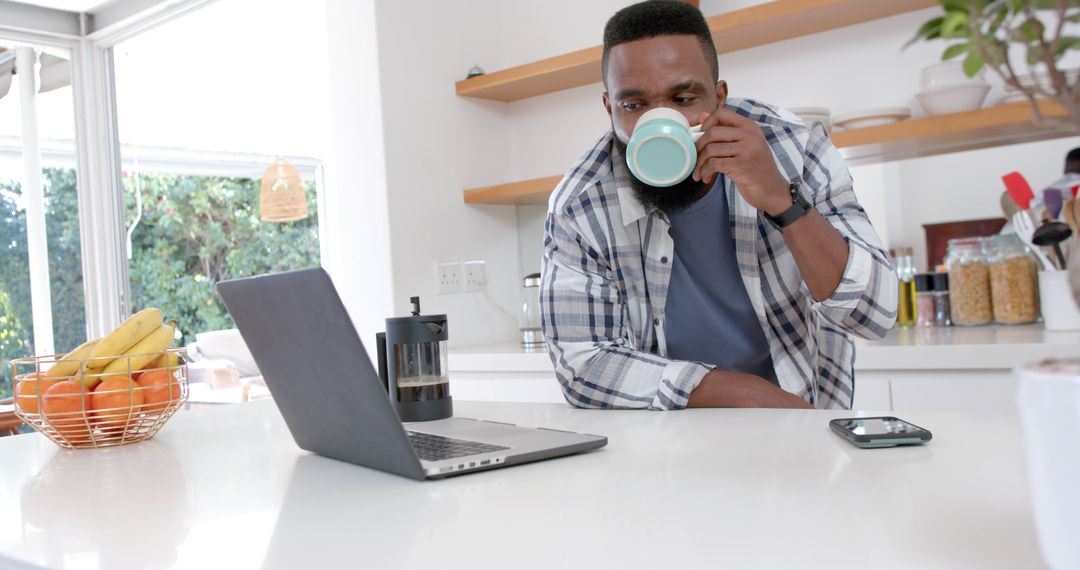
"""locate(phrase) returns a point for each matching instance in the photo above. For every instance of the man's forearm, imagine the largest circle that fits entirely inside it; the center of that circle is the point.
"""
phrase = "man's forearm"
(724, 389)
(820, 252)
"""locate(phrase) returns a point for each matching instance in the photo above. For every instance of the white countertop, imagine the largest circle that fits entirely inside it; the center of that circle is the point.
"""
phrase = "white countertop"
(971, 348)
(225, 487)
(944, 348)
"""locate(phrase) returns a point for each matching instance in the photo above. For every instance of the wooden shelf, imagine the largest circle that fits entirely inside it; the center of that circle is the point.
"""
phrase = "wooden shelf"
(732, 31)
(941, 134)
(533, 192)
(983, 128)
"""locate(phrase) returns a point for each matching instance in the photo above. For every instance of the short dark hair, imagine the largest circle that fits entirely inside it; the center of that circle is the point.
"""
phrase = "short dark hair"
(659, 18)
(1072, 161)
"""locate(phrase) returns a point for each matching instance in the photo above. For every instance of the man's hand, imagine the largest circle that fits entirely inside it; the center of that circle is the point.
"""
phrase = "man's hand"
(735, 146)
(724, 389)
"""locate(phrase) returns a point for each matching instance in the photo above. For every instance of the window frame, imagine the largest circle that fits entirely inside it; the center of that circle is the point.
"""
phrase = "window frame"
(91, 39)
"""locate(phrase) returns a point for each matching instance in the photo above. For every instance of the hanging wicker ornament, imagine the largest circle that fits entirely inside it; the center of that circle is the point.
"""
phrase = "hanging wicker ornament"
(282, 197)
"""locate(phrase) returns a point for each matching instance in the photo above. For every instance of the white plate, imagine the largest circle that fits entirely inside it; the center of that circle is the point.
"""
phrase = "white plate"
(1043, 79)
(814, 111)
(871, 118)
(1014, 97)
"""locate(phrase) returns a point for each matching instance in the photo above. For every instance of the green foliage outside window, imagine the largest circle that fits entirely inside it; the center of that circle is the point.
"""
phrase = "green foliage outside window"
(194, 232)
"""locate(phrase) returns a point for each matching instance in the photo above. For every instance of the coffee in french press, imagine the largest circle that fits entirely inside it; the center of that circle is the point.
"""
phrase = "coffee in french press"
(413, 365)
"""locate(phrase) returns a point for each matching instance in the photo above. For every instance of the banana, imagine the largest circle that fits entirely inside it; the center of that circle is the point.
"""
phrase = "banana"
(166, 360)
(72, 361)
(123, 337)
(147, 349)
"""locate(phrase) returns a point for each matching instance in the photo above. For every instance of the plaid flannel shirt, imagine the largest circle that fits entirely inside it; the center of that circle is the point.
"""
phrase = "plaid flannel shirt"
(606, 270)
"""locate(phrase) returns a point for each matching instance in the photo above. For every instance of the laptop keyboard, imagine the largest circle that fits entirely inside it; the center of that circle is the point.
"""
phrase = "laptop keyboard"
(436, 447)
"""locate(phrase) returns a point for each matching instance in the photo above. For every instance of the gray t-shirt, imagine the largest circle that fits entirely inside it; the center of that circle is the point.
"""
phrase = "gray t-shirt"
(709, 317)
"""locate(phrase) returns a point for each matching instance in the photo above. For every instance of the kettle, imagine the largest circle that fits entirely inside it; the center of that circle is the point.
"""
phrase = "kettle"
(413, 365)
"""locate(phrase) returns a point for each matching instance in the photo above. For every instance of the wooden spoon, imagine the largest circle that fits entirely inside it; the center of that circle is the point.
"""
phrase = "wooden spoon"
(1008, 206)
(1068, 212)
(1076, 210)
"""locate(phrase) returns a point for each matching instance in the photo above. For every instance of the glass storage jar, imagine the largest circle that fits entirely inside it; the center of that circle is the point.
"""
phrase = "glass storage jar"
(1013, 281)
(969, 282)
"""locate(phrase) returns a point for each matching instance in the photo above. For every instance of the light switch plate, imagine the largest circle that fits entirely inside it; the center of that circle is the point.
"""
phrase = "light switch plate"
(475, 275)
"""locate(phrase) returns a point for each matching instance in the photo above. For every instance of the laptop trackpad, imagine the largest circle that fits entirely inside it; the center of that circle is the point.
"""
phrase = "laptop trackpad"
(469, 429)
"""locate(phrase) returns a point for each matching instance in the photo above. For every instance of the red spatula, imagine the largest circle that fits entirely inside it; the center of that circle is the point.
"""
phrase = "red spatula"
(1019, 189)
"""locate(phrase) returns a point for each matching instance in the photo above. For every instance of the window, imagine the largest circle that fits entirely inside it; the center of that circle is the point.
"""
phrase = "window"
(189, 232)
(198, 127)
(41, 289)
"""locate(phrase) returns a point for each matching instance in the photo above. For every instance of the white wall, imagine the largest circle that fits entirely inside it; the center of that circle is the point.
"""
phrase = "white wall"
(356, 200)
(437, 144)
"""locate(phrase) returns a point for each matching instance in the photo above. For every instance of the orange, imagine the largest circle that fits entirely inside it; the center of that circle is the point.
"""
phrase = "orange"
(30, 388)
(65, 405)
(116, 400)
(159, 388)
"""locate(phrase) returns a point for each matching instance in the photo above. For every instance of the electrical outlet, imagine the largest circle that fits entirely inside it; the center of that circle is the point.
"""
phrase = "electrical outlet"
(475, 275)
(448, 277)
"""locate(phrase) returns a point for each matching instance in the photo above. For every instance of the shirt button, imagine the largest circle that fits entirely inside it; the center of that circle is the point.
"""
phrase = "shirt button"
(663, 259)
(656, 321)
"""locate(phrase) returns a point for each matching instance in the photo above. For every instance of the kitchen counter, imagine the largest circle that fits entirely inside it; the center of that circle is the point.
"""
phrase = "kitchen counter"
(226, 487)
(970, 348)
(989, 347)
(932, 369)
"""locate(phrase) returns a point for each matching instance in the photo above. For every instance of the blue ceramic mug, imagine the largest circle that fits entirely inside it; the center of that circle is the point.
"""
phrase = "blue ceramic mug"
(661, 150)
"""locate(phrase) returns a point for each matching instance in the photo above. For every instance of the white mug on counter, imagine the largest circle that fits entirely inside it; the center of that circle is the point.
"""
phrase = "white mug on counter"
(1048, 398)
(1059, 309)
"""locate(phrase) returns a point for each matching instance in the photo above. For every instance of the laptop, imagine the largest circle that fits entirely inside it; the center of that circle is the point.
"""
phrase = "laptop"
(335, 405)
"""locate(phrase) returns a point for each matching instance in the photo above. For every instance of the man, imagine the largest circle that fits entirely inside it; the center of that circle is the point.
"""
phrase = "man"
(739, 287)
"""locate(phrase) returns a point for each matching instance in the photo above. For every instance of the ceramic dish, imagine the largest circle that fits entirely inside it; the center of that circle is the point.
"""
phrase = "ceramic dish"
(948, 74)
(956, 99)
(871, 118)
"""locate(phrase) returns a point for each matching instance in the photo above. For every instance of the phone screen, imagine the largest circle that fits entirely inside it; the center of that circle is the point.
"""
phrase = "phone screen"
(878, 426)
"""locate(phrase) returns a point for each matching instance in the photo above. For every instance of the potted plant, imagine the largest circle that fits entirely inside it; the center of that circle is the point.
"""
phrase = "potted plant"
(984, 31)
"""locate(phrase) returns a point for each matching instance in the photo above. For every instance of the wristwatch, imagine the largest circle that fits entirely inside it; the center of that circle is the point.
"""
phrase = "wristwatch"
(799, 208)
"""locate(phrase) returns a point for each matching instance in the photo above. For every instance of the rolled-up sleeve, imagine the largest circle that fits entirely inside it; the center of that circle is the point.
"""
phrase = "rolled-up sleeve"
(864, 304)
(585, 326)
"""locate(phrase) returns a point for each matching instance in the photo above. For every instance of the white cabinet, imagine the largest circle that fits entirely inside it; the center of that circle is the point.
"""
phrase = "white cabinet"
(872, 392)
(935, 391)
(953, 369)
(503, 373)
(506, 386)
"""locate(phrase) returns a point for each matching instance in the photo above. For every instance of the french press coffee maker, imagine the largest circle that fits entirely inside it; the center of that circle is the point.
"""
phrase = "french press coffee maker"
(413, 365)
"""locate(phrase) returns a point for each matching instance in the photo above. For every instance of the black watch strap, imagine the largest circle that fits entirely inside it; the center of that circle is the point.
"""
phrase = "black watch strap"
(799, 208)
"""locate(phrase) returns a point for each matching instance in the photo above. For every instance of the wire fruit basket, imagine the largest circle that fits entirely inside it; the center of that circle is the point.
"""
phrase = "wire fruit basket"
(91, 408)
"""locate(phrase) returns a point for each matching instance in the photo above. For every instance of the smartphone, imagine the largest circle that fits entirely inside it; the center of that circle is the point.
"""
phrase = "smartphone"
(882, 431)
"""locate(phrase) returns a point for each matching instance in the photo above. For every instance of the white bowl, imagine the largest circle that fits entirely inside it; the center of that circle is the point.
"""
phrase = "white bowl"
(957, 99)
(949, 74)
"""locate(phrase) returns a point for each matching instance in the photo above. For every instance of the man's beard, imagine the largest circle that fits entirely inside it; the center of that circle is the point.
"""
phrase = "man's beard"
(668, 198)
